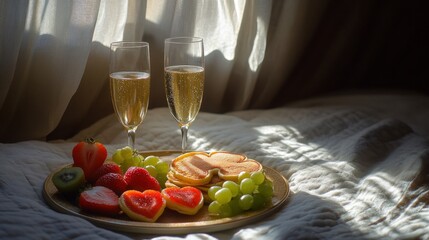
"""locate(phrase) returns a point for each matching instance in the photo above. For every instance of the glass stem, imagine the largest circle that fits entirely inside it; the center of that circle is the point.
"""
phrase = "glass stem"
(131, 138)
(184, 130)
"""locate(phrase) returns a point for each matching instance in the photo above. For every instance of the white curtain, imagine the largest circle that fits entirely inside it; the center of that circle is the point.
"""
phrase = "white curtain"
(54, 56)
(54, 53)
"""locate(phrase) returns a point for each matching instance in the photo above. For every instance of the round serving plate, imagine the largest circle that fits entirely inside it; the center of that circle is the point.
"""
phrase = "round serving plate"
(170, 221)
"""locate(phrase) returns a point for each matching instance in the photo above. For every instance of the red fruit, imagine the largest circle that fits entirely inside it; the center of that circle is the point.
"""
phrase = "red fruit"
(187, 200)
(113, 181)
(103, 170)
(99, 200)
(89, 155)
(138, 178)
(142, 206)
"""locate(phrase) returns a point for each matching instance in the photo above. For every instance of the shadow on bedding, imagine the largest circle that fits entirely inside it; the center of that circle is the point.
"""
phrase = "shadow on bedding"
(308, 216)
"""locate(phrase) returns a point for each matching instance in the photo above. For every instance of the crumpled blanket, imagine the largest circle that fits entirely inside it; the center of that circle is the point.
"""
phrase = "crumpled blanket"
(354, 173)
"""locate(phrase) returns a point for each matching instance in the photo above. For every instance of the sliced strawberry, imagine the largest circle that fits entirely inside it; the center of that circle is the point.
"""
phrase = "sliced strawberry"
(99, 200)
(138, 178)
(144, 206)
(89, 155)
(113, 181)
(187, 200)
(103, 170)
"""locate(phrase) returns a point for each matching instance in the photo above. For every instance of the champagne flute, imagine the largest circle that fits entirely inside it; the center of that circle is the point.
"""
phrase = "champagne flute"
(184, 80)
(130, 84)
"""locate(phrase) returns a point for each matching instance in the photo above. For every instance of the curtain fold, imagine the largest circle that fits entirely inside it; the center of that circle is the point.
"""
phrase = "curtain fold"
(51, 59)
(260, 53)
(292, 26)
(116, 21)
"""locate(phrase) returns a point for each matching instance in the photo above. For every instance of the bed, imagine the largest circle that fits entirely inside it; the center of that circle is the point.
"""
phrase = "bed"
(357, 166)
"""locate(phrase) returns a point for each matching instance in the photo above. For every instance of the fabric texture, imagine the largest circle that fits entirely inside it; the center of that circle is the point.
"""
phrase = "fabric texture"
(355, 171)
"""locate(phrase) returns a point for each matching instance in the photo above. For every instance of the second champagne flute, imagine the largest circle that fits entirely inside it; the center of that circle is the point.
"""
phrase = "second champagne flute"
(184, 80)
(130, 84)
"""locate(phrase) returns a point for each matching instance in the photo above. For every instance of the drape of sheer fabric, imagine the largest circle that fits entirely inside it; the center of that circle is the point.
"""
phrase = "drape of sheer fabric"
(259, 53)
(55, 56)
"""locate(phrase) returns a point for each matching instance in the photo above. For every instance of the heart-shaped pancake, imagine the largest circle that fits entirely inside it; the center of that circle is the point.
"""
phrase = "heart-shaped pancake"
(198, 168)
(144, 206)
(215, 181)
(187, 200)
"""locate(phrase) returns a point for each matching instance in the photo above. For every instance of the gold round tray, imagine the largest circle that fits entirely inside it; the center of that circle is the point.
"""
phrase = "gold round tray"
(170, 221)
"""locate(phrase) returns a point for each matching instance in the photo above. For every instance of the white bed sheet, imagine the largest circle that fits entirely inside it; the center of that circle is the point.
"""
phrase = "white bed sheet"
(357, 170)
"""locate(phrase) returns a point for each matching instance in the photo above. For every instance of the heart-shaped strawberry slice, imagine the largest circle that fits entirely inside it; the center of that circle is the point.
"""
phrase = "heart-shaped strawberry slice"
(144, 206)
(187, 200)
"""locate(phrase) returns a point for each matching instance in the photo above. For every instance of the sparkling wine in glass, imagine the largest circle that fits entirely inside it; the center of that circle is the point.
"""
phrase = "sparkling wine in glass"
(184, 80)
(130, 84)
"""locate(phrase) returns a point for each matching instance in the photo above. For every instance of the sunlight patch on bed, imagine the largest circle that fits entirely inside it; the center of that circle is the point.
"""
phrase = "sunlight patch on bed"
(278, 130)
(287, 139)
(376, 195)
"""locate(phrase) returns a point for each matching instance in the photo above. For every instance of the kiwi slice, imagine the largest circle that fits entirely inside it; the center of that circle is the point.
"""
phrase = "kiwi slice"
(69, 180)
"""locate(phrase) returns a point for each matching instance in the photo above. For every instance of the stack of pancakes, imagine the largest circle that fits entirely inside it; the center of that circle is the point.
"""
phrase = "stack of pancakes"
(203, 170)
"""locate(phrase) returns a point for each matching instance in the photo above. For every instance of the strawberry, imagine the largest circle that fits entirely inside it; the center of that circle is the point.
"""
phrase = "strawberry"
(89, 155)
(138, 178)
(104, 169)
(99, 200)
(113, 181)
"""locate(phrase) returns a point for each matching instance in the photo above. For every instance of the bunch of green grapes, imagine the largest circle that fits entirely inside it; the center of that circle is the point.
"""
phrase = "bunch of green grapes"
(126, 158)
(251, 192)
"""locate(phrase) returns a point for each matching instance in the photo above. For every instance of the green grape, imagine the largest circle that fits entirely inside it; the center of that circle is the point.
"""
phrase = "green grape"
(152, 170)
(232, 186)
(225, 210)
(257, 177)
(117, 157)
(214, 207)
(223, 195)
(246, 201)
(126, 152)
(127, 163)
(212, 191)
(137, 159)
(243, 175)
(162, 167)
(161, 178)
(150, 160)
(258, 201)
(247, 186)
(235, 206)
(266, 189)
